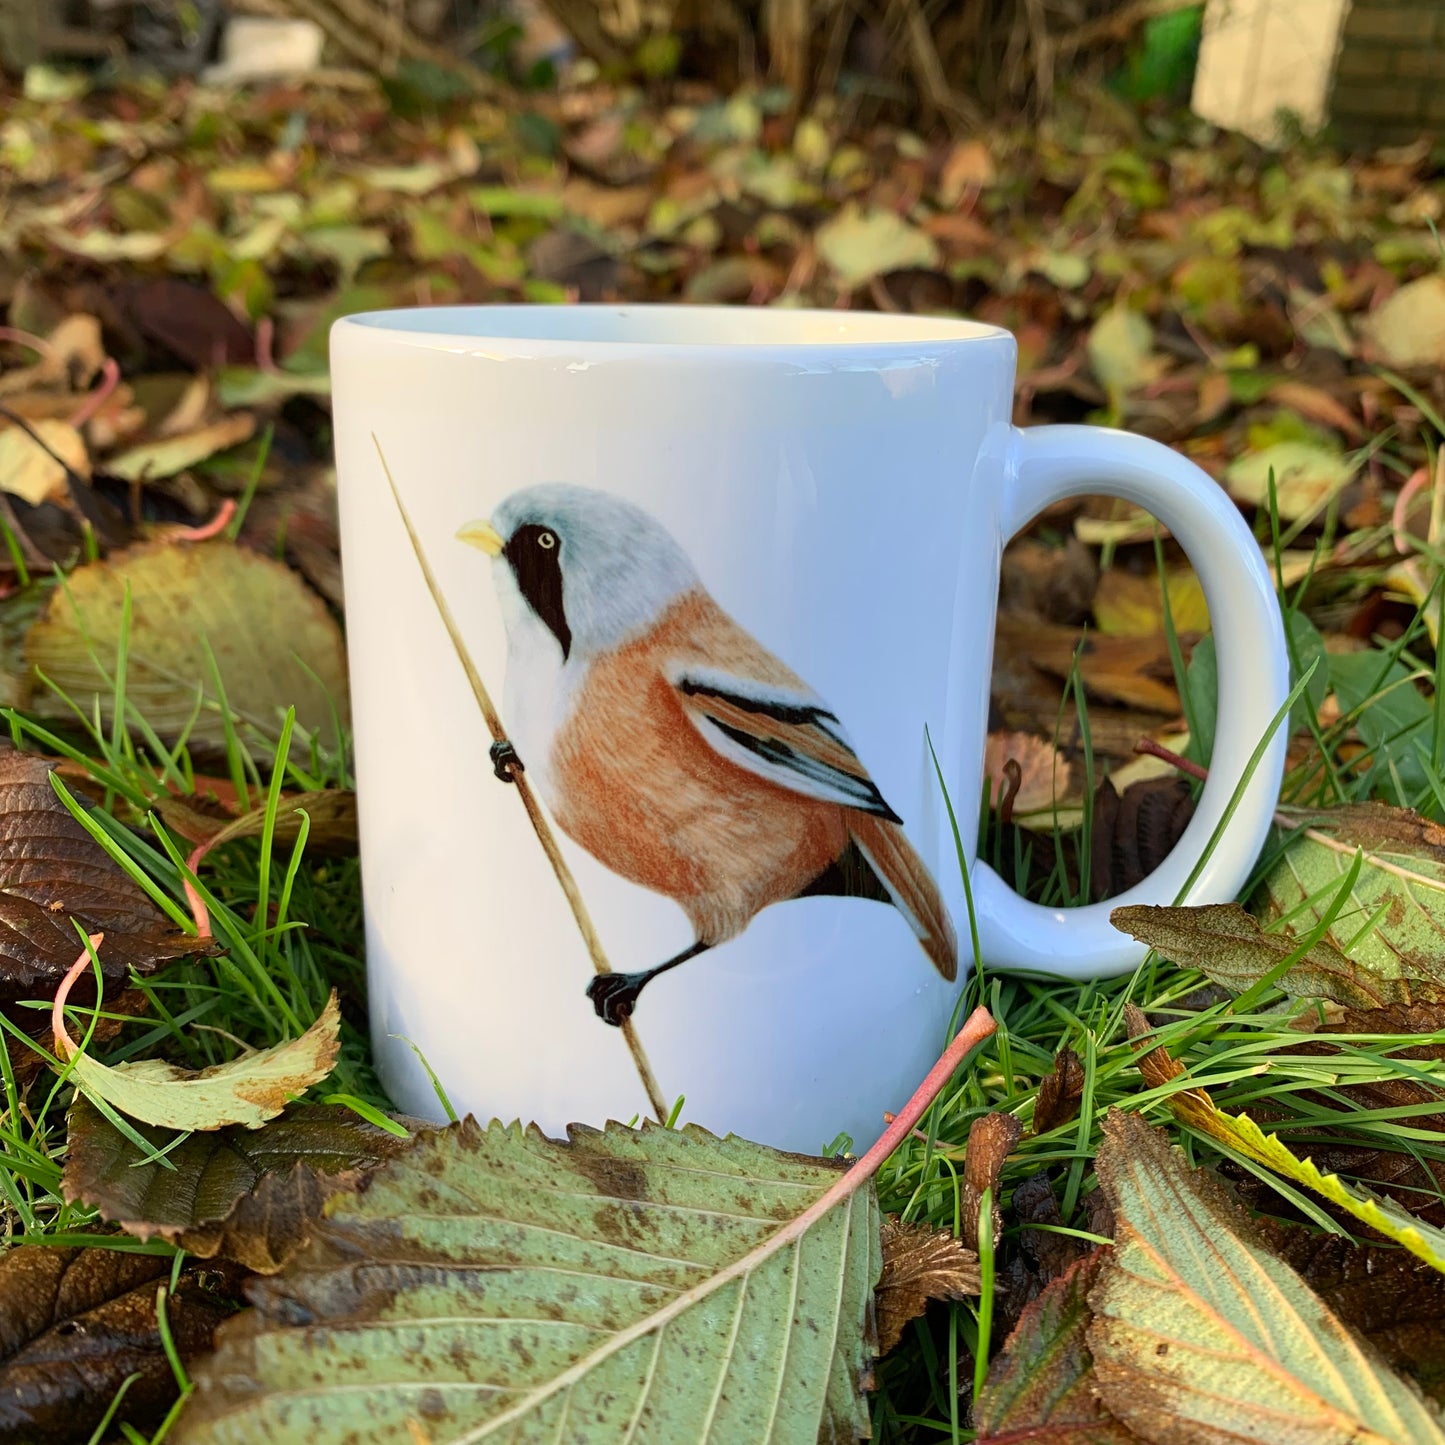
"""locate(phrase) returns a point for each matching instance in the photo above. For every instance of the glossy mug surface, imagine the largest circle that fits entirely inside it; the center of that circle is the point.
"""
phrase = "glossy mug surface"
(729, 578)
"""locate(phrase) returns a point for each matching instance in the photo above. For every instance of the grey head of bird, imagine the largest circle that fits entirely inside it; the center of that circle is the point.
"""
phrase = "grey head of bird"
(593, 570)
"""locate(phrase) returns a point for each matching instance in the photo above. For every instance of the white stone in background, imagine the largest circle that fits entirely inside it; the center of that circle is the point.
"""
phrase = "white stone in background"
(1258, 57)
(254, 47)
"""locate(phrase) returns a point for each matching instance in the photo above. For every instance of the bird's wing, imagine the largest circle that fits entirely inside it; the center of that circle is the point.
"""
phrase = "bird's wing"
(781, 733)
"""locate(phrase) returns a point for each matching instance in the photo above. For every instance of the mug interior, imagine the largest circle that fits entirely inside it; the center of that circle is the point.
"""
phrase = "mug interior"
(674, 326)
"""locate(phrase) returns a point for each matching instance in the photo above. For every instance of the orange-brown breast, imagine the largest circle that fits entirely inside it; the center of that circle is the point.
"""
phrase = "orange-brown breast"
(638, 786)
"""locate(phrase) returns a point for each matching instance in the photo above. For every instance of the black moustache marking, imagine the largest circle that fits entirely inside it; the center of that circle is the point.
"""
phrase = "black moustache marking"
(538, 571)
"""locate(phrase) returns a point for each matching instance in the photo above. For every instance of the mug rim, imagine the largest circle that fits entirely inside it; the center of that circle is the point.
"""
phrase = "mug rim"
(653, 329)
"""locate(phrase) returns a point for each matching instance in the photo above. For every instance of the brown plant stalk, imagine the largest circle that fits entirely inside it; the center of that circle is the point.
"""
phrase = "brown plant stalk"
(543, 829)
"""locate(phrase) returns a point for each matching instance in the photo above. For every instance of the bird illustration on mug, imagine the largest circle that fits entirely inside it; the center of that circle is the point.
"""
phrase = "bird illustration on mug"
(671, 744)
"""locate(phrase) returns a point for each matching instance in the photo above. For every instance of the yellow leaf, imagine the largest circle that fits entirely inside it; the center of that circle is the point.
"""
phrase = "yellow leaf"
(1127, 605)
(153, 460)
(1238, 1132)
(247, 1091)
(27, 470)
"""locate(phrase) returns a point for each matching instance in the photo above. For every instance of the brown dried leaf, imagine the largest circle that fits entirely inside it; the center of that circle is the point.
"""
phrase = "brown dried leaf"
(1059, 1092)
(1134, 832)
(74, 1323)
(54, 871)
(331, 814)
(247, 1195)
(1042, 1386)
(919, 1264)
(191, 322)
(991, 1139)
(1044, 774)
(1228, 945)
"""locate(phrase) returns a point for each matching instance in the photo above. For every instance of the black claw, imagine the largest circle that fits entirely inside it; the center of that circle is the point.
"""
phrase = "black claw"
(505, 762)
(614, 996)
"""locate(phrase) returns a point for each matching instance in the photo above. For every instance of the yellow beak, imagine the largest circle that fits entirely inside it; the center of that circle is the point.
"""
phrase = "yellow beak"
(483, 536)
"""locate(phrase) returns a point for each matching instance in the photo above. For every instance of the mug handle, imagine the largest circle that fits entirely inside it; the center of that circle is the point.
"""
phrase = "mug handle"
(1049, 464)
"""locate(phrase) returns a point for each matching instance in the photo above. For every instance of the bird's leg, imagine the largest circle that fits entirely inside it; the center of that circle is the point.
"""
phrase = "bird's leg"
(614, 995)
(505, 762)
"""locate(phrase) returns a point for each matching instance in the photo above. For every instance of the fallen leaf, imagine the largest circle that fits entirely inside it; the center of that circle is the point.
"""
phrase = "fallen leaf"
(1060, 1090)
(991, 1139)
(1409, 329)
(1317, 404)
(331, 821)
(1133, 832)
(249, 1195)
(1305, 476)
(274, 642)
(1394, 1300)
(54, 871)
(1131, 670)
(1242, 1135)
(190, 322)
(1131, 605)
(248, 386)
(1045, 775)
(1392, 927)
(645, 1263)
(75, 1323)
(1201, 1336)
(247, 1090)
(153, 460)
(920, 1264)
(29, 470)
(1121, 351)
(1228, 945)
(1057, 584)
(860, 244)
(1042, 1386)
(1407, 1090)
(968, 167)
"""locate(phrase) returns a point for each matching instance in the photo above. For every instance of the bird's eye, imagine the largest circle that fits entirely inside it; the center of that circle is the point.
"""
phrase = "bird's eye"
(547, 540)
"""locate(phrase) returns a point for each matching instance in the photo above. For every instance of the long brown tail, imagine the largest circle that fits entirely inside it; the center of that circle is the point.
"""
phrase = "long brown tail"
(910, 885)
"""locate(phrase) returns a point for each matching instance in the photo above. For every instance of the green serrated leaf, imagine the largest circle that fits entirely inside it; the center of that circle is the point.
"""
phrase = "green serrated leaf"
(1200, 1334)
(496, 1285)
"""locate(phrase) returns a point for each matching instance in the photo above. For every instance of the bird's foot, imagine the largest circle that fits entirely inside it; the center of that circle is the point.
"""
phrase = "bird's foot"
(614, 995)
(505, 762)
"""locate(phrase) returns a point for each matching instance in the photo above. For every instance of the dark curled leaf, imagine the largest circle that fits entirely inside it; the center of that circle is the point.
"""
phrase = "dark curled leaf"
(1036, 1209)
(991, 1139)
(919, 1264)
(246, 1194)
(1134, 833)
(74, 1323)
(1042, 1386)
(53, 871)
(1059, 1092)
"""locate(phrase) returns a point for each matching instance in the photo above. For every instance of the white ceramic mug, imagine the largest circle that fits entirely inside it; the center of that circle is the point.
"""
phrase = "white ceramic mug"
(725, 573)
